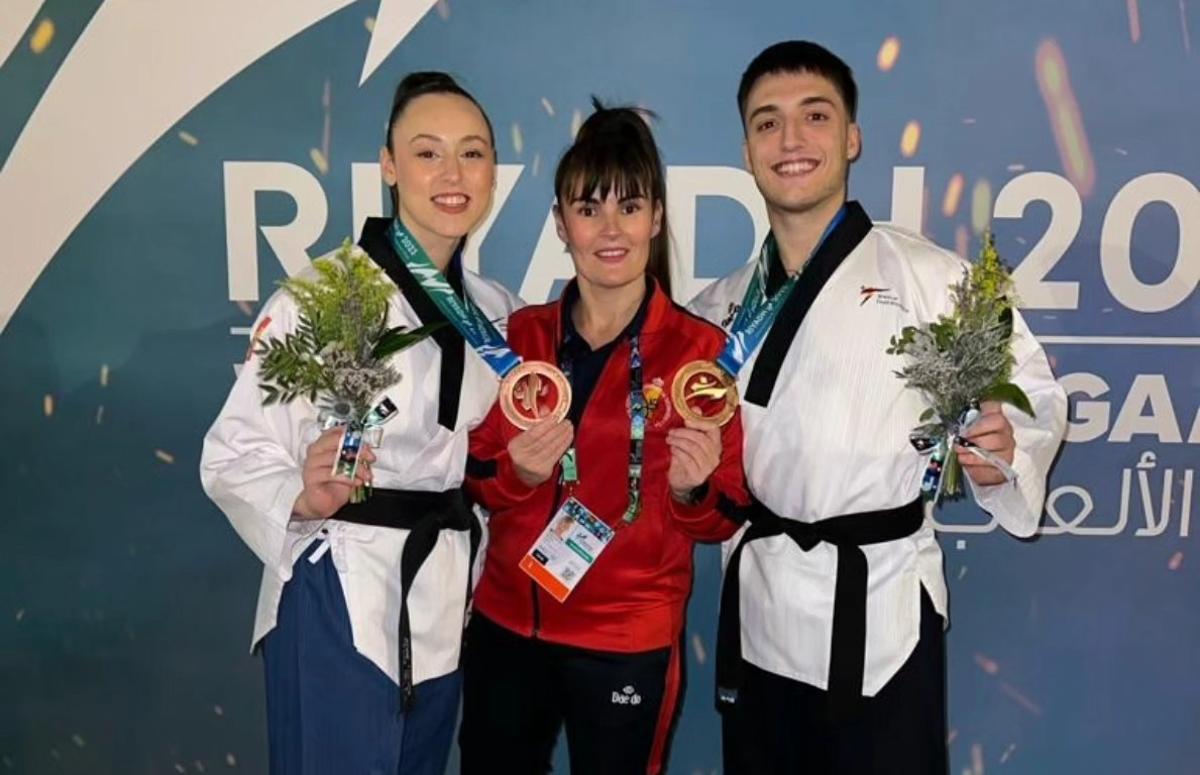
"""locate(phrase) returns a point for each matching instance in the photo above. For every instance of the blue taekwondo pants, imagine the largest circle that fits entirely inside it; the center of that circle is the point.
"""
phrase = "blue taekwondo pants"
(332, 710)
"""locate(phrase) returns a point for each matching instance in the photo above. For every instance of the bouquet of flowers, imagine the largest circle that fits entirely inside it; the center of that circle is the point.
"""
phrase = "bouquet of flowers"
(337, 357)
(958, 361)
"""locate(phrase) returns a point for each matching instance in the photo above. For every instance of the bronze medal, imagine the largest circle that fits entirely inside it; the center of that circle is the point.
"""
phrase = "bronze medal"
(704, 393)
(533, 391)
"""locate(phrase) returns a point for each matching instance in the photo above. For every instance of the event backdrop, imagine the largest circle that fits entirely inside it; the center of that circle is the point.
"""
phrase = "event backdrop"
(165, 163)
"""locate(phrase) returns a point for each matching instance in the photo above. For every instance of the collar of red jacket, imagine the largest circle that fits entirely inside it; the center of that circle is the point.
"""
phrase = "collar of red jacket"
(652, 314)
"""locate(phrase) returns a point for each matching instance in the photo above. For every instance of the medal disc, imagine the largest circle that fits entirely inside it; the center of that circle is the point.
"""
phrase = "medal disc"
(703, 392)
(534, 391)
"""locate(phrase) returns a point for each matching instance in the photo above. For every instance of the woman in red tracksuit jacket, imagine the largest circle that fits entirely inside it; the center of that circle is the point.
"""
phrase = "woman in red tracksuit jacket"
(604, 661)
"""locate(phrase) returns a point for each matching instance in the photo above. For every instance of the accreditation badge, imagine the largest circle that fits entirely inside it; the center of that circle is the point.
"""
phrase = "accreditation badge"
(566, 549)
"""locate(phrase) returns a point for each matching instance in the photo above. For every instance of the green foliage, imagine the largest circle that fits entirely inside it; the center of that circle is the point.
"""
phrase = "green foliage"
(348, 301)
(340, 348)
(966, 356)
(289, 366)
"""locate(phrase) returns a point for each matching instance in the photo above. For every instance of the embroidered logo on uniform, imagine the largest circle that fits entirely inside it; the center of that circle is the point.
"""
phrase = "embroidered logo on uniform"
(258, 332)
(868, 292)
(658, 405)
(883, 296)
(627, 696)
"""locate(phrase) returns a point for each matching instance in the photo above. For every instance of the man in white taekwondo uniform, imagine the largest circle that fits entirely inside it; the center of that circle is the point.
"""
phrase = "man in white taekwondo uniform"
(405, 625)
(831, 645)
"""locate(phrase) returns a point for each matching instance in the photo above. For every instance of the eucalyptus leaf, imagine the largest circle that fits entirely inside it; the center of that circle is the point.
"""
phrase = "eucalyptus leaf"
(1008, 393)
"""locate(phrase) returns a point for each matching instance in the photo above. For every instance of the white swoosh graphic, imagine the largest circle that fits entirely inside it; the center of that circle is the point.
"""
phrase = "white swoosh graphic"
(17, 16)
(126, 103)
(395, 19)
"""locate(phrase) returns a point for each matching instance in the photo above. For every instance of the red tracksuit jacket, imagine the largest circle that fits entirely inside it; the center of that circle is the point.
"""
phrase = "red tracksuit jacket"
(633, 598)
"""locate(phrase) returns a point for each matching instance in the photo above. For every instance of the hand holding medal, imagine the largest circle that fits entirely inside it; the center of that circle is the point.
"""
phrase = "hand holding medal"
(695, 455)
(536, 452)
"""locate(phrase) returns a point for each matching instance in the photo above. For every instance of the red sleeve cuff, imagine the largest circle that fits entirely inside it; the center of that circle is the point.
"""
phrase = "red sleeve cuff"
(508, 484)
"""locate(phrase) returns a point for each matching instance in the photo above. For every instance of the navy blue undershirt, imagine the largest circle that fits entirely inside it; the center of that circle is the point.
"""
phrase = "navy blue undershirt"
(587, 364)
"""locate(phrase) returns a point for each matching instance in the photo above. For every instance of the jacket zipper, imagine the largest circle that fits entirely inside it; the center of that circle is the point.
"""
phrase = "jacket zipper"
(558, 491)
(533, 587)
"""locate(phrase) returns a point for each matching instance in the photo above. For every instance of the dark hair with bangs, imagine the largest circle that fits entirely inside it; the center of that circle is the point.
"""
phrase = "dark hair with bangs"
(614, 151)
(418, 84)
(800, 56)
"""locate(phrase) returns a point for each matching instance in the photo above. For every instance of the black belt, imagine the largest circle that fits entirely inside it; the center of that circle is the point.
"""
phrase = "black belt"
(424, 514)
(849, 647)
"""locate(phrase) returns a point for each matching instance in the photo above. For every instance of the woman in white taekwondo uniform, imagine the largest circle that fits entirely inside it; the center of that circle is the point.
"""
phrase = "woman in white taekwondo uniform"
(830, 645)
(360, 613)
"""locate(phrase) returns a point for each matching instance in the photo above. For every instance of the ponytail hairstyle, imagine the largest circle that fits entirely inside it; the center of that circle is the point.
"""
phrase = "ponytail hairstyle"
(615, 151)
(418, 84)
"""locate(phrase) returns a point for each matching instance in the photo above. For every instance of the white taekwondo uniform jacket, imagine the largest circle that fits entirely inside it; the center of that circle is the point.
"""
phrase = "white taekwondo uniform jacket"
(251, 468)
(834, 439)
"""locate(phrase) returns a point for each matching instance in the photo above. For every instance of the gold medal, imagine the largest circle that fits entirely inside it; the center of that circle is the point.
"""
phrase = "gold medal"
(702, 392)
(533, 391)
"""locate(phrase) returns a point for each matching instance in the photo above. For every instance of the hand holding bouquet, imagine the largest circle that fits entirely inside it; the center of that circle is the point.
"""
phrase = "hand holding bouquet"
(337, 357)
(957, 362)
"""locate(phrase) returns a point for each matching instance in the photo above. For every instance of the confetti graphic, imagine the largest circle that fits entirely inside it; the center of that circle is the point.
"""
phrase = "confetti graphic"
(576, 122)
(1183, 27)
(976, 759)
(981, 206)
(987, 665)
(320, 157)
(953, 195)
(319, 161)
(518, 140)
(1065, 120)
(910, 139)
(43, 36)
(889, 52)
(1019, 698)
(698, 649)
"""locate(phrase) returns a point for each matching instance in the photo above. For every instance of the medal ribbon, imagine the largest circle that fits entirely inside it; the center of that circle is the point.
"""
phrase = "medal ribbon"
(462, 313)
(637, 434)
(758, 312)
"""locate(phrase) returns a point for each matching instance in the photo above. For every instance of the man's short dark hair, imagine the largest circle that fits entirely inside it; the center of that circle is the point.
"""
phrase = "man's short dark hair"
(800, 56)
